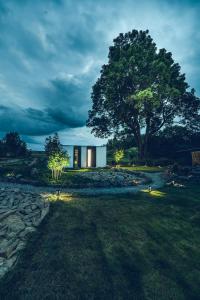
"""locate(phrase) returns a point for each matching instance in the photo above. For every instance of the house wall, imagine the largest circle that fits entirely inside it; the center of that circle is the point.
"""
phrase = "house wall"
(83, 157)
(101, 153)
(101, 160)
(70, 151)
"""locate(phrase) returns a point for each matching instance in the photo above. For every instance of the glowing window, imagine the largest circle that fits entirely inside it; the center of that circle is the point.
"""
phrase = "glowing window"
(89, 158)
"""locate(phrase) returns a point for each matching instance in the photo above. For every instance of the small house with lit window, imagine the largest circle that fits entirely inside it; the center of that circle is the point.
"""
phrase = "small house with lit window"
(86, 156)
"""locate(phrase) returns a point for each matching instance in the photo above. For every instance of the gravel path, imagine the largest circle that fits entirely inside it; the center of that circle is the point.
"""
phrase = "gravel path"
(157, 182)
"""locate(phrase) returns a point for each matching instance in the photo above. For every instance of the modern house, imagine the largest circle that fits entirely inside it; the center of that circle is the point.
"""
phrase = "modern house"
(86, 156)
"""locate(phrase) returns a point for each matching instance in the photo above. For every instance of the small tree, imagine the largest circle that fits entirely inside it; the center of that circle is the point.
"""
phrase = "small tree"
(57, 161)
(52, 145)
(118, 155)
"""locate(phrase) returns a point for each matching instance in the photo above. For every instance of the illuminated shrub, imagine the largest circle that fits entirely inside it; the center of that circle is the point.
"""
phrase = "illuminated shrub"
(57, 162)
(118, 155)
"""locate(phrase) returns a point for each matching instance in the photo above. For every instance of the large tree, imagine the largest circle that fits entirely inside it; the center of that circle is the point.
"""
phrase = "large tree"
(140, 90)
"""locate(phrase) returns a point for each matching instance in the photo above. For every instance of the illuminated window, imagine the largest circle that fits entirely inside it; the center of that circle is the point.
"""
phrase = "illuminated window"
(89, 158)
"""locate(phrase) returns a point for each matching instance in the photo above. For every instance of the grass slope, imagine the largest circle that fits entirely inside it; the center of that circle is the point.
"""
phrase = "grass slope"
(143, 246)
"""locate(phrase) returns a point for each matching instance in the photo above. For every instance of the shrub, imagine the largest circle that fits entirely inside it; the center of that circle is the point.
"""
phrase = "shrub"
(57, 162)
(118, 155)
(132, 154)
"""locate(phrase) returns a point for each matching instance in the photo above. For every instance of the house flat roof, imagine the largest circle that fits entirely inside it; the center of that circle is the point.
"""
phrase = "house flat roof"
(84, 145)
(189, 150)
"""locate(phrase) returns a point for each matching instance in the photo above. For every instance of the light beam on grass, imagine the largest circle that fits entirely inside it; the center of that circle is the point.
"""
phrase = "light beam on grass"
(62, 197)
(154, 193)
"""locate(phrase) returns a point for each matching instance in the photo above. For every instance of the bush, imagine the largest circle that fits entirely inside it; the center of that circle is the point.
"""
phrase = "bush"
(154, 162)
(132, 154)
(57, 162)
(118, 155)
(180, 170)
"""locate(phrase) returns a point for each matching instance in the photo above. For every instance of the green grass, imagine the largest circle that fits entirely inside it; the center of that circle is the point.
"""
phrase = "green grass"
(144, 246)
(145, 168)
(135, 168)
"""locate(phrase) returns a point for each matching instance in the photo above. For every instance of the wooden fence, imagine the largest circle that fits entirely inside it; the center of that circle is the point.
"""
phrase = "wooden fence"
(196, 158)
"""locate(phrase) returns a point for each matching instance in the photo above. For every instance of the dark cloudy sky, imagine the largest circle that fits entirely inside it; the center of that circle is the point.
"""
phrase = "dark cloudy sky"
(51, 52)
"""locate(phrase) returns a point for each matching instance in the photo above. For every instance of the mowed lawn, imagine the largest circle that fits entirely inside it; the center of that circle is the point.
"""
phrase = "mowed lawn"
(144, 246)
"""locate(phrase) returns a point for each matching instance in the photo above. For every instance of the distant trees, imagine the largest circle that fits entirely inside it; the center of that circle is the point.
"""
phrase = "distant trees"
(53, 145)
(12, 145)
(174, 142)
(140, 91)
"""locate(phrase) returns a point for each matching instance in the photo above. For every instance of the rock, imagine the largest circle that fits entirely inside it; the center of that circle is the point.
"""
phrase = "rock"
(3, 271)
(11, 261)
(15, 223)
(7, 247)
(28, 211)
(115, 177)
(2, 261)
(33, 206)
(44, 212)
(6, 214)
(27, 230)
(34, 172)
(21, 246)
(33, 214)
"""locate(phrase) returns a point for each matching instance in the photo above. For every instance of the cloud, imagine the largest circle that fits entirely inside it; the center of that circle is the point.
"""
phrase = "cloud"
(51, 53)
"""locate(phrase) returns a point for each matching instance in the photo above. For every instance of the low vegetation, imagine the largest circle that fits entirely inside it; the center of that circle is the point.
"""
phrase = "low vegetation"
(144, 246)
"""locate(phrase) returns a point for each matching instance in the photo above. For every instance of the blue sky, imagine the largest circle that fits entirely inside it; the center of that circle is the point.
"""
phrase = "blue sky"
(51, 52)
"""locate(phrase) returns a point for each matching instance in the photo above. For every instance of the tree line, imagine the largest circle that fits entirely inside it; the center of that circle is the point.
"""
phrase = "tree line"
(12, 145)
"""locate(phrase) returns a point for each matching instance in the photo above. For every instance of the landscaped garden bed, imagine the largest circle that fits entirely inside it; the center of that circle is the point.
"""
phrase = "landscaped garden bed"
(34, 172)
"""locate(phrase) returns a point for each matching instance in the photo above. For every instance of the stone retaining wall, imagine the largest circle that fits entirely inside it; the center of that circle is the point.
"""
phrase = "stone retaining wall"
(20, 213)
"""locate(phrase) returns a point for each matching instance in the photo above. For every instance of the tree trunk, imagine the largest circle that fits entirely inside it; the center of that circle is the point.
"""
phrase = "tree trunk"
(141, 152)
(141, 141)
(143, 148)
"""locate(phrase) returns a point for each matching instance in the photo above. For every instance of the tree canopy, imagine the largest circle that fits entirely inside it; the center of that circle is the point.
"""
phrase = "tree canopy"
(140, 90)
(53, 145)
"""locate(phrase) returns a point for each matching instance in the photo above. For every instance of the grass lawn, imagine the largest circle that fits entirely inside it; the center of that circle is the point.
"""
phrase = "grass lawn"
(144, 246)
(135, 168)
(145, 168)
